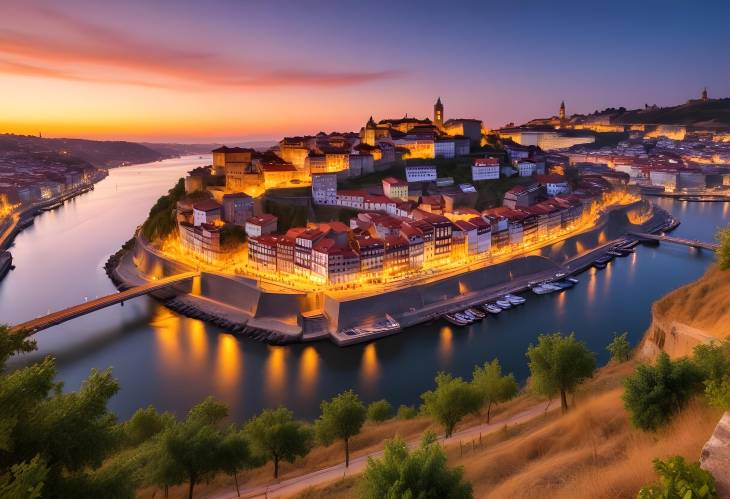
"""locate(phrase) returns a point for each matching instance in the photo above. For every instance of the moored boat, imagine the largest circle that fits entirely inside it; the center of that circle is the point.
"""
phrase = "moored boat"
(491, 308)
(503, 304)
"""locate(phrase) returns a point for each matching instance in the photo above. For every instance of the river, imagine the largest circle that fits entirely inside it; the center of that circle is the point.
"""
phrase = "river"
(172, 362)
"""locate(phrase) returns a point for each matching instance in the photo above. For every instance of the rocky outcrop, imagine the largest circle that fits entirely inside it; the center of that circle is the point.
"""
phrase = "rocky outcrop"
(715, 456)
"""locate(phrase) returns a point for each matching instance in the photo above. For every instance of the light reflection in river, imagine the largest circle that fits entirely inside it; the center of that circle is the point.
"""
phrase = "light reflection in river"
(446, 336)
(228, 364)
(275, 373)
(591, 285)
(308, 371)
(197, 344)
(166, 326)
(369, 369)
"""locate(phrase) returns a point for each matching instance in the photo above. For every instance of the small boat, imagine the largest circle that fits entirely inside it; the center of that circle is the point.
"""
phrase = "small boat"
(503, 304)
(599, 264)
(478, 313)
(491, 308)
(573, 280)
(630, 244)
(514, 300)
(564, 284)
(463, 317)
(541, 289)
(453, 320)
(614, 253)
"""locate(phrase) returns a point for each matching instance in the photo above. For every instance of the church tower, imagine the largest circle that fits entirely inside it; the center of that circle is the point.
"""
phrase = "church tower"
(368, 136)
(704, 94)
(438, 113)
(561, 115)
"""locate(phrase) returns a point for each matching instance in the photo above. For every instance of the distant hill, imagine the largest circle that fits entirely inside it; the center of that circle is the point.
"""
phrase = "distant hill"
(713, 113)
(172, 149)
(104, 154)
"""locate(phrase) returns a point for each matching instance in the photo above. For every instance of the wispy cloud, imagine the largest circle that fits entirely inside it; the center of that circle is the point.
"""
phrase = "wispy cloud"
(84, 51)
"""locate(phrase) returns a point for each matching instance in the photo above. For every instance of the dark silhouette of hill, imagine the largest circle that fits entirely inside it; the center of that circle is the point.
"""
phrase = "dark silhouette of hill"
(712, 113)
(104, 154)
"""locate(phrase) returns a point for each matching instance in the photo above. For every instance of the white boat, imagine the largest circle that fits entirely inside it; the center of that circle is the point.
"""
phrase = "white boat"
(492, 309)
(463, 317)
(503, 304)
(542, 289)
(573, 280)
(552, 286)
(453, 320)
(514, 300)
(478, 313)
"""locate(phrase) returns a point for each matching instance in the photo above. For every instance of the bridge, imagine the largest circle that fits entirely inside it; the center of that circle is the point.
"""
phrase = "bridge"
(694, 243)
(69, 313)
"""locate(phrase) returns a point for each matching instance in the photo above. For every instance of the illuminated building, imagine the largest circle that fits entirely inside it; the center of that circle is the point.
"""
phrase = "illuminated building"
(526, 168)
(285, 252)
(469, 128)
(432, 204)
(395, 188)
(464, 239)
(237, 208)
(485, 169)
(303, 245)
(427, 234)
(561, 114)
(206, 212)
(372, 251)
(235, 163)
(259, 225)
(324, 188)
(333, 264)
(294, 150)
(351, 199)
(444, 148)
(396, 258)
(368, 133)
(438, 113)
(379, 203)
(415, 245)
(202, 241)
(421, 173)
(262, 252)
(521, 195)
(554, 184)
(484, 235)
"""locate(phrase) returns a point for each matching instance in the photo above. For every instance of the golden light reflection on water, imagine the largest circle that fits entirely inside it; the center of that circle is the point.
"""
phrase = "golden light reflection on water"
(369, 368)
(561, 303)
(592, 285)
(446, 337)
(197, 342)
(166, 326)
(602, 237)
(228, 365)
(275, 371)
(308, 371)
(725, 209)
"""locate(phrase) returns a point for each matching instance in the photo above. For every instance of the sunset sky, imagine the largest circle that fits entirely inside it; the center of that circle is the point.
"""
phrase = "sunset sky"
(194, 71)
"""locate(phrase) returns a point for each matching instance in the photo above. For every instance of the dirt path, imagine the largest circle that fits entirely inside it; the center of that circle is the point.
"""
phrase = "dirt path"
(298, 484)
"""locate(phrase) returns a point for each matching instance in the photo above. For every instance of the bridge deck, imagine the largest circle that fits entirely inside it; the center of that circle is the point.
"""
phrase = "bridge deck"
(69, 313)
(695, 243)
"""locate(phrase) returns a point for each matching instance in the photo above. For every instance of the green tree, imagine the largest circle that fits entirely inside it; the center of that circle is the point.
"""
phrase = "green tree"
(406, 412)
(619, 348)
(52, 440)
(275, 435)
(713, 360)
(235, 454)
(679, 480)
(146, 423)
(654, 393)
(422, 473)
(493, 387)
(341, 419)
(558, 364)
(451, 400)
(161, 219)
(723, 252)
(25, 480)
(194, 447)
(379, 410)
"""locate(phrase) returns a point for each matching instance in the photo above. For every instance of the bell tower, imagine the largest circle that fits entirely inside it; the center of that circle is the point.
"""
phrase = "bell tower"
(561, 115)
(438, 113)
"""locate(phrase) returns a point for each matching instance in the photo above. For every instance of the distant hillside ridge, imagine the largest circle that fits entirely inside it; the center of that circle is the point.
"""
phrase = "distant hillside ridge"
(102, 154)
(711, 113)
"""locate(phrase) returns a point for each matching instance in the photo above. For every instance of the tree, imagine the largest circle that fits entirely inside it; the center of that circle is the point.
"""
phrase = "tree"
(619, 348)
(341, 419)
(235, 454)
(654, 393)
(679, 480)
(493, 387)
(275, 435)
(379, 411)
(422, 473)
(723, 252)
(406, 412)
(146, 423)
(193, 448)
(558, 364)
(53, 443)
(713, 360)
(451, 400)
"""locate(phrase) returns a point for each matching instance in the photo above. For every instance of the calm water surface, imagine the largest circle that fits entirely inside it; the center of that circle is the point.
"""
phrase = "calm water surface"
(172, 362)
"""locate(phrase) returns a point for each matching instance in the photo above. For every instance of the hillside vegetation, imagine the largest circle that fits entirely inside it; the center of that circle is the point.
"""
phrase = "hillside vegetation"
(713, 112)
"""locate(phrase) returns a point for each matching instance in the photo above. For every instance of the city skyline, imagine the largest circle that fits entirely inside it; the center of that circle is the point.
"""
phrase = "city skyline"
(256, 71)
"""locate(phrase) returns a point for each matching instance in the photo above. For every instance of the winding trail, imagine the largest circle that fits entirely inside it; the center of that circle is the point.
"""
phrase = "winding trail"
(291, 486)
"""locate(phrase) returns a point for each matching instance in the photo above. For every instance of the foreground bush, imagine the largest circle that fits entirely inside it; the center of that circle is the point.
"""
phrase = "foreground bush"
(451, 400)
(379, 411)
(422, 473)
(680, 480)
(655, 393)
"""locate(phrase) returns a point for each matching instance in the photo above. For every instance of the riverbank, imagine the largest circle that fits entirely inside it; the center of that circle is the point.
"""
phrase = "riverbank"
(240, 305)
(22, 219)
